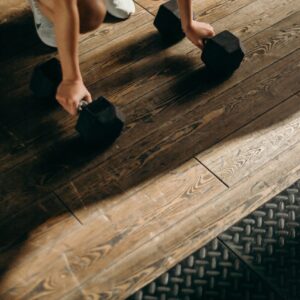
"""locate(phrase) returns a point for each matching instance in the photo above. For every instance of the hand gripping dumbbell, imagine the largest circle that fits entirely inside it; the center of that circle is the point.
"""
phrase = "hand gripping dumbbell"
(222, 54)
(99, 122)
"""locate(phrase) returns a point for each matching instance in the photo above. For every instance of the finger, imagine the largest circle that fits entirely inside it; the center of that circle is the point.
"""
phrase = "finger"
(70, 109)
(200, 44)
(74, 108)
(88, 98)
(211, 33)
(62, 103)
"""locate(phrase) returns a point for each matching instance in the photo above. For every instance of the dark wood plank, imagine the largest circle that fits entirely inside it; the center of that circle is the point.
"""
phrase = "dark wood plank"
(58, 163)
(202, 10)
(200, 124)
(38, 130)
(11, 145)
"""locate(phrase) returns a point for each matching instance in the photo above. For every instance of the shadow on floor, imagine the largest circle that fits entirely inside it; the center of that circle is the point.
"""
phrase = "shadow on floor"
(165, 127)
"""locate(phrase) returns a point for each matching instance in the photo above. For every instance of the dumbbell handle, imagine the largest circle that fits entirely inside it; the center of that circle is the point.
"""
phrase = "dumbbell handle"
(81, 105)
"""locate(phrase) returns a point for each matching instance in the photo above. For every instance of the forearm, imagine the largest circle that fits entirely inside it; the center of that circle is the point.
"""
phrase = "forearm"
(186, 13)
(66, 24)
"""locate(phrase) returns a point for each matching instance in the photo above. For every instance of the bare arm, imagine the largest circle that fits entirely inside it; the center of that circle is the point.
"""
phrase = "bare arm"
(195, 31)
(65, 16)
(186, 13)
(66, 24)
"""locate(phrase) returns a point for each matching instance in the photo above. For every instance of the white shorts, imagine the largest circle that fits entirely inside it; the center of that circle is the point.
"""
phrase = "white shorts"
(43, 25)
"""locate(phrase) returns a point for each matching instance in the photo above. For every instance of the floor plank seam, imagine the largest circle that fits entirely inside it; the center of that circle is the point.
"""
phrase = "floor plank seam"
(223, 92)
(219, 178)
(264, 67)
(144, 8)
(67, 207)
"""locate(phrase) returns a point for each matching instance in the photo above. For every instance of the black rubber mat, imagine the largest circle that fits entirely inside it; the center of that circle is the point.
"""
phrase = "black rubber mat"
(257, 258)
(268, 240)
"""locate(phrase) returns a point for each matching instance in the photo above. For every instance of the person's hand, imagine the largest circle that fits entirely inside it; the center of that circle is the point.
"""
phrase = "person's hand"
(197, 31)
(70, 93)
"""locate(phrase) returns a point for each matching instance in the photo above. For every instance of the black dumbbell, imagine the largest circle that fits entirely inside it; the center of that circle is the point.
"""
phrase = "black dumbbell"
(99, 122)
(168, 23)
(222, 54)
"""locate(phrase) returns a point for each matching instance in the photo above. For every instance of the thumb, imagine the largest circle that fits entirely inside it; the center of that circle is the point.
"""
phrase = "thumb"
(200, 44)
(88, 97)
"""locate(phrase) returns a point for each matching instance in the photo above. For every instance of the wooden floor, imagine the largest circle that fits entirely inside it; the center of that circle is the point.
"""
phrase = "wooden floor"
(195, 157)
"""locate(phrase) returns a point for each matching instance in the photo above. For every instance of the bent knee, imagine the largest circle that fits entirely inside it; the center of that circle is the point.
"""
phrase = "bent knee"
(91, 16)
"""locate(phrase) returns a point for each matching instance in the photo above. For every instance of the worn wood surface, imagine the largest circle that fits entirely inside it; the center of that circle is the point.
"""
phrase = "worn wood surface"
(189, 234)
(259, 142)
(145, 115)
(122, 231)
(78, 223)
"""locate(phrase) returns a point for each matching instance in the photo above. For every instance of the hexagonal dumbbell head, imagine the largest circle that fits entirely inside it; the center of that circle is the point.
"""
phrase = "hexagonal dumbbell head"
(167, 21)
(223, 53)
(46, 78)
(100, 122)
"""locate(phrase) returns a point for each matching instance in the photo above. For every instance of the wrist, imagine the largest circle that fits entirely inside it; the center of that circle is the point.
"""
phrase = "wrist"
(187, 25)
(72, 77)
(71, 71)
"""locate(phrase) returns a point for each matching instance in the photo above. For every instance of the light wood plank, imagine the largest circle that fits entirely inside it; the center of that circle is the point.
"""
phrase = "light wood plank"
(208, 220)
(244, 152)
(11, 145)
(30, 237)
(125, 226)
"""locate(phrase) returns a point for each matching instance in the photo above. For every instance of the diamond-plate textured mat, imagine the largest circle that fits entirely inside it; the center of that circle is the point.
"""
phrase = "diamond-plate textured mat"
(257, 258)
(213, 272)
(269, 241)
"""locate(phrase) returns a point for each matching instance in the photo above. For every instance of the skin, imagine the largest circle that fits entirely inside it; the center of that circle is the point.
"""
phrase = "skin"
(72, 17)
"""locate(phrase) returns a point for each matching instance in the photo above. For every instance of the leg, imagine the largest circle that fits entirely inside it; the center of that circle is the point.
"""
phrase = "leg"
(91, 13)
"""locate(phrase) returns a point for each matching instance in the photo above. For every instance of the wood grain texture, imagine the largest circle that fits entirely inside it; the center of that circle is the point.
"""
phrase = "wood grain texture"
(242, 154)
(144, 204)
(146, 115)
(171, 196)
(21, 60)
(33, 236)
(40, 178)
(165, 250)
(129, 83)
(200, 124)
(203, 10)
